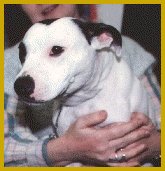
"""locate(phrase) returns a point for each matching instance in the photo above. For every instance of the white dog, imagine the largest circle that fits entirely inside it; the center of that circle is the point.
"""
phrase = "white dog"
(79, 62)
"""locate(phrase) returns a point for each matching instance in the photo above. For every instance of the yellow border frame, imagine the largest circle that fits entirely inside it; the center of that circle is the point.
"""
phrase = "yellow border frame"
(2, 2)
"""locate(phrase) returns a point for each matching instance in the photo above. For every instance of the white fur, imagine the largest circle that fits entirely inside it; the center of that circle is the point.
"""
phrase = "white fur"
(106, 84)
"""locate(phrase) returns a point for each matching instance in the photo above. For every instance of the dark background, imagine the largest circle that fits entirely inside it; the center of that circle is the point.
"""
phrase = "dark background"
(143, 24)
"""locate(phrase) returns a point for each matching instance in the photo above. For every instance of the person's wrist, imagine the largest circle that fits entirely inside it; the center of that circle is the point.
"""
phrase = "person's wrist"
(45, 152)
(56, 152)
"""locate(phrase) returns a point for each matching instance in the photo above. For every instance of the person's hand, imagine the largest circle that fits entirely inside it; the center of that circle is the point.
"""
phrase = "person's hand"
(86, 142)
(152, 144)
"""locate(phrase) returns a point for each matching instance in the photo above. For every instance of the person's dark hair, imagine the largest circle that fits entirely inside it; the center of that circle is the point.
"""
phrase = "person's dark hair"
(17, 23)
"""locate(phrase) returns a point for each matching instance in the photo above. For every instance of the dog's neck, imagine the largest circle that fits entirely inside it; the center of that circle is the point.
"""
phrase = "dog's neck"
(93, 86)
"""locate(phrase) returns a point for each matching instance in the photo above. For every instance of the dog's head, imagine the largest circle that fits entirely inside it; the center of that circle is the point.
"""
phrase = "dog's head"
(58, 56)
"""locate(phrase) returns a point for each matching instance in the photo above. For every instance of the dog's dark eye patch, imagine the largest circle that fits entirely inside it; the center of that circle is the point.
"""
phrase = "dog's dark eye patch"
(48, 21)
(22, 52)
(56, 51)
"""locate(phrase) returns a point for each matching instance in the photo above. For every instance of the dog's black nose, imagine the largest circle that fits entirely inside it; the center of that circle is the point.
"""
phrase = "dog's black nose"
(24, 86)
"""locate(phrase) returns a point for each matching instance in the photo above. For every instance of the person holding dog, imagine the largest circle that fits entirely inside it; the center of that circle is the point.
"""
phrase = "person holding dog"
(118, 144)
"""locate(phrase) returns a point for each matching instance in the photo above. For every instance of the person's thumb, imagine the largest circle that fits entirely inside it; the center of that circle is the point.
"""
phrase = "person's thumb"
(93, 119)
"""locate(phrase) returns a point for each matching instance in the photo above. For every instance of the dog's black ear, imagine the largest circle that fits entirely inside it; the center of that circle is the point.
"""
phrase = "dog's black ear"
(100, 35)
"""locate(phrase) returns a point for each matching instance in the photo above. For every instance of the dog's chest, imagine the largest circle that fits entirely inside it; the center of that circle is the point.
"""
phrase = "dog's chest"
(103, 101)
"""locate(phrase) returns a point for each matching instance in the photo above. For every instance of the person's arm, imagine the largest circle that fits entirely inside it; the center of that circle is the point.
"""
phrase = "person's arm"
(152, 88)
(21, 147)
(153, 152)
(153, 142)
(141, 62)
(83, 142)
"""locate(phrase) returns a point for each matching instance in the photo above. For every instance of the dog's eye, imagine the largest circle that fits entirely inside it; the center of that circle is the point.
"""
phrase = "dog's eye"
(56, 51)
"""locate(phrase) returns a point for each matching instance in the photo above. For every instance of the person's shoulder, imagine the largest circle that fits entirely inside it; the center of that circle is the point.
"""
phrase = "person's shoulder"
(136, 56)
(12, 66)
(11, 50)
(11, 57)
(131, 44)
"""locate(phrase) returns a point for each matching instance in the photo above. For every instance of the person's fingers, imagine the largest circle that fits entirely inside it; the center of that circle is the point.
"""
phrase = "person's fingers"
(92, 119)
(129, 138)
(147, 123)
(119, 130)
(141, 116)
(129, 153)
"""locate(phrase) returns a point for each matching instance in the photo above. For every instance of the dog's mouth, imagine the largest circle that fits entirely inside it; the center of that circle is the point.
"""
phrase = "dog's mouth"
(31, 101)
(61, 97)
